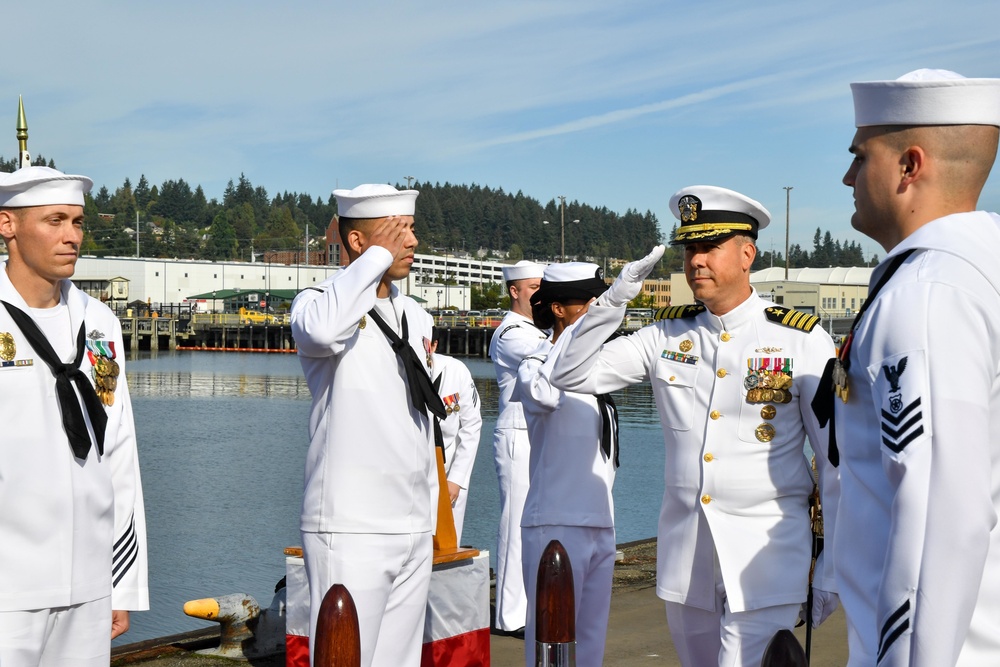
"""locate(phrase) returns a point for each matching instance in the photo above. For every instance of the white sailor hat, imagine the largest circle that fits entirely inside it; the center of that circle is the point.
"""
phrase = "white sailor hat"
(375, 201)
(570, 280)
(927, 97)
(42, 186)
(522, 271)
(708, 212)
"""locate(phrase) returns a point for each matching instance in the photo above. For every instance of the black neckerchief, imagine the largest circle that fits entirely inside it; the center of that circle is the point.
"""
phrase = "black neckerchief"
(67, 374)
(422, 392)
(824, 400)
(609, 425)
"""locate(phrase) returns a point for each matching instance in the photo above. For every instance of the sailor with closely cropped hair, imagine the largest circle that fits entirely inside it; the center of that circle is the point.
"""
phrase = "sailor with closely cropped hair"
(733, 377)
(513, 340)
(72, 525)
(916, 390)
(370, 498)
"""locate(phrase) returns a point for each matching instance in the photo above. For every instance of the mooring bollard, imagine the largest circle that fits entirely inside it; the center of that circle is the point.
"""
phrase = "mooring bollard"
(555, 609)
(245, 631)
(338, 637)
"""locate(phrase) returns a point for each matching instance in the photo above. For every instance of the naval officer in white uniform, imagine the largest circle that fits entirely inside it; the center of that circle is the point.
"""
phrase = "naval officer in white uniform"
(460, 430)
(514, 339)
(369, 506)
(918, 413)
(574, 454)
(733, 378)
(72, 525)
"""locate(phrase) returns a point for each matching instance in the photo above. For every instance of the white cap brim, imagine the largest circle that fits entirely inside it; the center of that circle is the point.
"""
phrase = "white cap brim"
(927, 97)
(375, 201)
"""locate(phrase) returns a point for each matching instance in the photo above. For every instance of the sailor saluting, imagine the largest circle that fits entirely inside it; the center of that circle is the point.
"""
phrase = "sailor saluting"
(732, 377)
(369, 506)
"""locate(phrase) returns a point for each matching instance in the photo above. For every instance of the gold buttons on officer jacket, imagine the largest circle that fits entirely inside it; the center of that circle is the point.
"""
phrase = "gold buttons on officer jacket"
(714, 414)
(709, 457)
(706, 499)
(725, 336)
(721, 372)
(673, 377)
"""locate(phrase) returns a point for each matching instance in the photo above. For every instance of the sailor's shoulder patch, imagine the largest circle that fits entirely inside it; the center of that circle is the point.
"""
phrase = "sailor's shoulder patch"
(678, 312)
(789, 317)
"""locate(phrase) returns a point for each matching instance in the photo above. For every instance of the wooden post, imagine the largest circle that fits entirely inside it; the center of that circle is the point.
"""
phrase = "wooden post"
(446, 549)
(338, 637)
(555, 609)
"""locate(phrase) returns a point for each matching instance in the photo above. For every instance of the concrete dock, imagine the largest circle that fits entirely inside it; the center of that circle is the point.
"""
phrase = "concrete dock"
(637, 630)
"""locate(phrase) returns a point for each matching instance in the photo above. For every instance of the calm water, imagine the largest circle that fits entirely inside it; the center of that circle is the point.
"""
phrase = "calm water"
(222, 444)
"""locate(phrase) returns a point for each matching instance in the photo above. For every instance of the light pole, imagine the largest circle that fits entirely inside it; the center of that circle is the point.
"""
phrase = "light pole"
(562, 227)
(788, 199)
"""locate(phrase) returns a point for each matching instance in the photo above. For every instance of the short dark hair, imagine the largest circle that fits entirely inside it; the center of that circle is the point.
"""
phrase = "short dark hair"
(542, 315)
(346, 225)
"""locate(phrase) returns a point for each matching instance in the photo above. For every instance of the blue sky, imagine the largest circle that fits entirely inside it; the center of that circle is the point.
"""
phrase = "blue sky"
(617, 104)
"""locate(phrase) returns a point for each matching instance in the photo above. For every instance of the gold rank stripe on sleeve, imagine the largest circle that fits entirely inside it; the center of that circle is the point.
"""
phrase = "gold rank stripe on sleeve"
(789, 317)
(678, 312)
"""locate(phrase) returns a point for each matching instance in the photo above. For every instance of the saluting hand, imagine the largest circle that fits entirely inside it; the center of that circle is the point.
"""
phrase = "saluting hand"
(628, 284)
(391, 233)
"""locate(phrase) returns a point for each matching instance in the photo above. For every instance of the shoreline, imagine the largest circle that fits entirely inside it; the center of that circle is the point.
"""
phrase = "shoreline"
(637, 629)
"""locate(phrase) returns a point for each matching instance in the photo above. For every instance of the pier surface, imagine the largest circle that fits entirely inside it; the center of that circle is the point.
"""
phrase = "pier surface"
(637, 631)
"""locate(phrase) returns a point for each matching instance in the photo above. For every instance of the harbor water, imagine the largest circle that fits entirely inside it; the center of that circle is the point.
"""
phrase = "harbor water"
(222, 444)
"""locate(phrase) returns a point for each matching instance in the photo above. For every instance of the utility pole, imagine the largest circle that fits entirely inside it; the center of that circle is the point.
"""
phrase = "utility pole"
(408, 179)
(788, 198)
(562, 227)
(137, 234)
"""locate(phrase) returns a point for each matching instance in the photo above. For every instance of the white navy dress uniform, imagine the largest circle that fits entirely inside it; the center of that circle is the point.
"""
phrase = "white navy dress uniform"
(72, 528)
(369, 505)
(515, 338)
(569, 496)
(917, 546)
(460, 429)
(734, 535)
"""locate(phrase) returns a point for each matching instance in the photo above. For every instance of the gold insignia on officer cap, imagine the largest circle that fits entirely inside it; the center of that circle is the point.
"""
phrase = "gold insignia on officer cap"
(707, 213)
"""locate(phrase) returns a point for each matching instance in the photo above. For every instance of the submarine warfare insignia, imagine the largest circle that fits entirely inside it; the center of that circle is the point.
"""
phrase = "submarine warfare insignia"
(768, 379)
(451, 403)
(7, 347)
(106, 370)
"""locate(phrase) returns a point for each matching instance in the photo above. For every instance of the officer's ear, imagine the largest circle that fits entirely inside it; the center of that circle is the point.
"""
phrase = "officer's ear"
(748, 253)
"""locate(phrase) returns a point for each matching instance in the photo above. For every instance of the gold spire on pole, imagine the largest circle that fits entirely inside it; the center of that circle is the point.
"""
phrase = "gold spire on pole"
(24, 159)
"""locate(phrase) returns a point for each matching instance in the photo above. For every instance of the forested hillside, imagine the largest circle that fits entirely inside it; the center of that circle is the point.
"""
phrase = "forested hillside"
(176, 219)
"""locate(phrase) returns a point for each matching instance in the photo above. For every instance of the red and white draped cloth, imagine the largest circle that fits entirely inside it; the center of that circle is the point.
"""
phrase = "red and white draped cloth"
(457, 626)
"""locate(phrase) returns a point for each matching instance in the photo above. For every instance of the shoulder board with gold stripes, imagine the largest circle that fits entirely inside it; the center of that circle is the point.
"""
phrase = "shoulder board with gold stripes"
(678, 312)
(790, 317)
